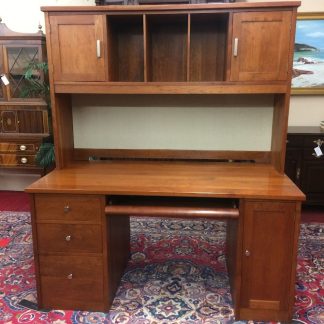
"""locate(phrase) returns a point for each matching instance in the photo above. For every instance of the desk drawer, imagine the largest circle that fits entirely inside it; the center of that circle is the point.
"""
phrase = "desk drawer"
(69, 238)
(71, 267)
(72, 281)
(17, 160)
(68, 208)
(12, 147)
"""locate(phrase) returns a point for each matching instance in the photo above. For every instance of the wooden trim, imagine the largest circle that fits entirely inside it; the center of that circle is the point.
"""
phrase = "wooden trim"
(257, 156)
(167, 211)
(170, 7)
(169, 88)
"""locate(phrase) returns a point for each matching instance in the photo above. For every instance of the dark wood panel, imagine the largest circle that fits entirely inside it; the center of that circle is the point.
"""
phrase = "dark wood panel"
(126, 48)
(30, 121)
(167, 52)
(208, 35)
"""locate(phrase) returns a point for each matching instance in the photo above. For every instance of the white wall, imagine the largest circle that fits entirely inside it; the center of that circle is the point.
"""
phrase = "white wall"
(25, 15)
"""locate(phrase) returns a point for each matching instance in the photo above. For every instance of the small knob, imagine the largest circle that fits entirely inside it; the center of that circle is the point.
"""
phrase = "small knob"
(22, 147)
(247, 253)
(24, 160)
(69, 276)
(68, 238)
(66, 208)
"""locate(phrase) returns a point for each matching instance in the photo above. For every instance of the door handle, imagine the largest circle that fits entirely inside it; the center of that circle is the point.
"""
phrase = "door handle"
(235, 50)
(98, 48)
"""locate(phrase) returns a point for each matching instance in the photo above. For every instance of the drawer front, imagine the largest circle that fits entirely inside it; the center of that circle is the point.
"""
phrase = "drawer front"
(72, 282)
(71, 267)
(17, 160)
(295, 141)
(309, 154)
(313, 141)
(69, 238)
(68, 208)
(18, 147)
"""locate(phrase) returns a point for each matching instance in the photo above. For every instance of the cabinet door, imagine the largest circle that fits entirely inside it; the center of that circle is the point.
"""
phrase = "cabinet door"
(312, 180)
(30, 121)
(78, 47)
(268, 260)
(261, 43)
(9, 122)
(18, 59)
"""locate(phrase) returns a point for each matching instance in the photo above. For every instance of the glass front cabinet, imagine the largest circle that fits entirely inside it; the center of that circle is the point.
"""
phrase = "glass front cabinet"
(23, 109)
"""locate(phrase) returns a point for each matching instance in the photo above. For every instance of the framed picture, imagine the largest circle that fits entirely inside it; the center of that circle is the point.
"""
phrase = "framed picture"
(308, 66)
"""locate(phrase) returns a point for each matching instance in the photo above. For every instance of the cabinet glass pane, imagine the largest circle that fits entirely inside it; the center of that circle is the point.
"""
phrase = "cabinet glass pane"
(19, 58)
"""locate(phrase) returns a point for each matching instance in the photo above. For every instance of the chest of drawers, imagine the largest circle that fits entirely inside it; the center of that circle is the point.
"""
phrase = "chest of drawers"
(70, 250)
(303, 166)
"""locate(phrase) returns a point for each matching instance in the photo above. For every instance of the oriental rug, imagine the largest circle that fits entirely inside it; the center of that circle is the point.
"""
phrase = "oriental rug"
(176, 274)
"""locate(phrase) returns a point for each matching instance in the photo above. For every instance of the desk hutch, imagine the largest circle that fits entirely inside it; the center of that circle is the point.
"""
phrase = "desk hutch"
(81, 210)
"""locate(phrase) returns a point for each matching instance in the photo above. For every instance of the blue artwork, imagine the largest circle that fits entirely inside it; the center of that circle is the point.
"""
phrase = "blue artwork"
(308, 68)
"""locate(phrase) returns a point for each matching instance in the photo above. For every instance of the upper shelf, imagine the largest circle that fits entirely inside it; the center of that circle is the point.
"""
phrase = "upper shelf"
(190, 49)
(170, 7)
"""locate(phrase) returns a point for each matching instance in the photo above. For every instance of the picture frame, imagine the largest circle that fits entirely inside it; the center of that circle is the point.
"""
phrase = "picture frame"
(308, 63)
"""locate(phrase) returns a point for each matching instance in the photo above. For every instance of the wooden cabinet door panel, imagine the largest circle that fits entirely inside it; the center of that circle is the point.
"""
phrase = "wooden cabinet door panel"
(263, 46)
(8, 121)
(75, 42)
(268, 257)
(313, 177)
(30, 121)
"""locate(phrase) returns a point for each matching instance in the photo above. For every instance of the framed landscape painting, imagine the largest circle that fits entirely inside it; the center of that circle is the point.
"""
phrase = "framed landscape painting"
(308, 66)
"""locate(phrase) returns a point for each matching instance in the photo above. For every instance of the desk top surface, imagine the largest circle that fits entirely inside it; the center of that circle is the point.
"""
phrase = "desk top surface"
(183, 179)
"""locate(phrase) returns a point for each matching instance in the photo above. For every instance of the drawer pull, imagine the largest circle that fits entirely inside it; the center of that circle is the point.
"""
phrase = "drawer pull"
(69, 276)
(68, 238)
(23, 160)
(247, 253)
(319, 142)
(66, 209)
(22, 147)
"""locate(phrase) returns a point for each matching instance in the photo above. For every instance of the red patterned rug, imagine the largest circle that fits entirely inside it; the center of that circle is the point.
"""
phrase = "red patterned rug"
(176, 275)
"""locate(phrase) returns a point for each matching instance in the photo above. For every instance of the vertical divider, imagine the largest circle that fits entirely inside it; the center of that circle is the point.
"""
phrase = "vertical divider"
(188, 47)
(110, 58)
(229, 42)
(146, 46)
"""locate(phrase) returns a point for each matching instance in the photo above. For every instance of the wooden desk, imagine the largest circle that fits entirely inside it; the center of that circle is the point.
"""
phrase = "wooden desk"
(81, 252)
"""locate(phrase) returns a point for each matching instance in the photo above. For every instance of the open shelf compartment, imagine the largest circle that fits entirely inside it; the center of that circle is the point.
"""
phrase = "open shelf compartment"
(125, 48)
(167, 48)
(208, 47)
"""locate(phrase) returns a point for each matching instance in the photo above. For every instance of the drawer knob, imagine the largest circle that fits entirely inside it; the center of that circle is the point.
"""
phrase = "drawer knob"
(24, 160)
(66, 209)
(68, 238)
(247, 253)
(70, 276)
(22, 147)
